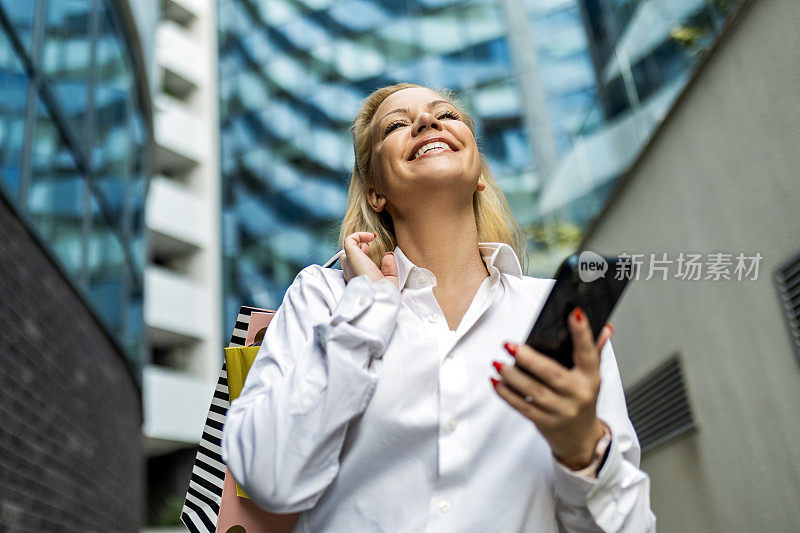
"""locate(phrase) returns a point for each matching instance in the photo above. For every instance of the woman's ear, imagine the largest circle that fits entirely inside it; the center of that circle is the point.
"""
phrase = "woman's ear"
(376, 200)
(481, 184)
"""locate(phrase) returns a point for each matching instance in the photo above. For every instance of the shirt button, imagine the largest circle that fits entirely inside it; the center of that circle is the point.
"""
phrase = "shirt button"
(444, 506)
(362, 300)
(451, 425)
(433, 317)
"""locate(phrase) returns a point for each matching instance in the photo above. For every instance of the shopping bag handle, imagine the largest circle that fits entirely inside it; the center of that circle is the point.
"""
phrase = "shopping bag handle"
(330, 262)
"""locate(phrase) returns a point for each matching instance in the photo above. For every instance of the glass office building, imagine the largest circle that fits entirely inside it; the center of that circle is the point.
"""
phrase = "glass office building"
(292, 75)
(565, 92)
(643, 53)
(73, 145)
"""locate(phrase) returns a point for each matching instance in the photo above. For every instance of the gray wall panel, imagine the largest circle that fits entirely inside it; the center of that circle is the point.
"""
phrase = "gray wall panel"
(722, 174)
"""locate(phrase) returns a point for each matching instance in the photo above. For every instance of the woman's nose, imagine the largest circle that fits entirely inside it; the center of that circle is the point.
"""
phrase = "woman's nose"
(426, 120)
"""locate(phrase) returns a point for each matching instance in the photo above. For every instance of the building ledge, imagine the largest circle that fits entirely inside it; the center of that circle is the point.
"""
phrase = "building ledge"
(175, 409)
(175, 218)
(175, 310)
(178, 136)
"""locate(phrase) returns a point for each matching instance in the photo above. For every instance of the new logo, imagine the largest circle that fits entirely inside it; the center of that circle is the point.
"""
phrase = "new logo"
(591, 266)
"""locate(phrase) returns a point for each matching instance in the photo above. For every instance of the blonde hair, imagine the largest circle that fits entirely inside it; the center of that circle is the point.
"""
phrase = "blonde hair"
(495, 222)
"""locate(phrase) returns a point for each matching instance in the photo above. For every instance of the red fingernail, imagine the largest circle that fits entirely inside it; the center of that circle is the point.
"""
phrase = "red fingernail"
(375, 234)
(512, 348)
(494, 382)
(578, 314)
(498, 366)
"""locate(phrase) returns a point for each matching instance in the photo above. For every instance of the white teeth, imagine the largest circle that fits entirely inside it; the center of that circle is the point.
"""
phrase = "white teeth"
(430, 146)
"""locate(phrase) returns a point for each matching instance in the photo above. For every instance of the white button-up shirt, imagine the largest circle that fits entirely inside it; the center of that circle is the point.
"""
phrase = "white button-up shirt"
(366, 412)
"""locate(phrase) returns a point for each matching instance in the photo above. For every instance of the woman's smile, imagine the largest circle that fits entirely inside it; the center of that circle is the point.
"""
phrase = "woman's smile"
(432, 146)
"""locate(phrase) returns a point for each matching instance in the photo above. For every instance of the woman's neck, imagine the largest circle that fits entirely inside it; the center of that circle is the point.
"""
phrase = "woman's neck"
(444, 243)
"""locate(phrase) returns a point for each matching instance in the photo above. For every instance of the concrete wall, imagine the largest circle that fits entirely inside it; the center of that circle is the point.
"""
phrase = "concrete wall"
(722, 174)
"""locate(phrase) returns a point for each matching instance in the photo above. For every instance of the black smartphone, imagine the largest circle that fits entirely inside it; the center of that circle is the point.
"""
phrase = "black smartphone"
(587, 280)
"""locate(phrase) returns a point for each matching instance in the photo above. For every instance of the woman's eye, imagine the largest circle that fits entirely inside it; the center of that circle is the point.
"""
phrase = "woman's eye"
(448, 114)
(391, 127)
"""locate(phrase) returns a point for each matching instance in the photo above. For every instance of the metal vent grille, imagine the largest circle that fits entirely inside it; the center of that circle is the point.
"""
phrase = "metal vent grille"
(788, 280)
(658, 405)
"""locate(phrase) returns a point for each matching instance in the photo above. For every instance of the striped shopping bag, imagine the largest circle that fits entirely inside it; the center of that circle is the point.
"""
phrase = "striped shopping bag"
(202, 502)
(201, 507)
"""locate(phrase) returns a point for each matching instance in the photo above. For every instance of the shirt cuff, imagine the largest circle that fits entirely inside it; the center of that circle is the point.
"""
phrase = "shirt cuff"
(599, 456)
(581, 488)
(366, 309)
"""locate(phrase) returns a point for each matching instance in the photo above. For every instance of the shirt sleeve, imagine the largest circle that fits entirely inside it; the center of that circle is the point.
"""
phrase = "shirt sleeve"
(315, 371)
(618, 500)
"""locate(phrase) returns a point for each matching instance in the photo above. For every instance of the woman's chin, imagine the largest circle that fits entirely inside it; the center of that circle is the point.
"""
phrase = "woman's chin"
(443, 179)
(439, 168)
(438, 185)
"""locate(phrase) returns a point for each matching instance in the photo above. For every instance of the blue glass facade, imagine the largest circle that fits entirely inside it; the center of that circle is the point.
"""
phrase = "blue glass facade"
(291, 77)
(73, 145)
(547, 80)
(642, 54)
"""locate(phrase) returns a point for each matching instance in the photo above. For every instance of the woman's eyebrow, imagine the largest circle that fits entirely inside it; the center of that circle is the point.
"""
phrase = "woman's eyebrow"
(429, 105)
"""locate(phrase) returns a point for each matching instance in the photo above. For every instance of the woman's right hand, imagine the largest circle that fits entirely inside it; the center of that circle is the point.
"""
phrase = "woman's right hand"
(356, 262)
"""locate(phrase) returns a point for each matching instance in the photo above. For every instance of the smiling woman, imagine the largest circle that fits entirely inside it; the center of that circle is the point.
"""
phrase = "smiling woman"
(369, 407)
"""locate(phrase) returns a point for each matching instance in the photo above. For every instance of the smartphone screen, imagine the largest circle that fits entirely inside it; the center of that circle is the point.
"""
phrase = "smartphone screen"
(589, 281)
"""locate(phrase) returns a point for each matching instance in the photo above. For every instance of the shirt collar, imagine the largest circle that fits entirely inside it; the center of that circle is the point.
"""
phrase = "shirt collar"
(498, 257)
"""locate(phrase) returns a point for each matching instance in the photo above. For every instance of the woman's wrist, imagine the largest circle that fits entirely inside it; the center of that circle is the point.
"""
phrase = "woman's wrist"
(582, 457)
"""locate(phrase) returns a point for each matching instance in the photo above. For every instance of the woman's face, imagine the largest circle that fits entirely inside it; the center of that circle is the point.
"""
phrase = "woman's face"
(421, 147)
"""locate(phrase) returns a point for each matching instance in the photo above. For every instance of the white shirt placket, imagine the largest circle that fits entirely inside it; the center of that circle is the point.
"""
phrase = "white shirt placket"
(452, 449)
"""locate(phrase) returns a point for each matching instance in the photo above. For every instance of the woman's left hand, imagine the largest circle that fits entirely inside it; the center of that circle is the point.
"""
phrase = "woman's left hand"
(563, 402)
